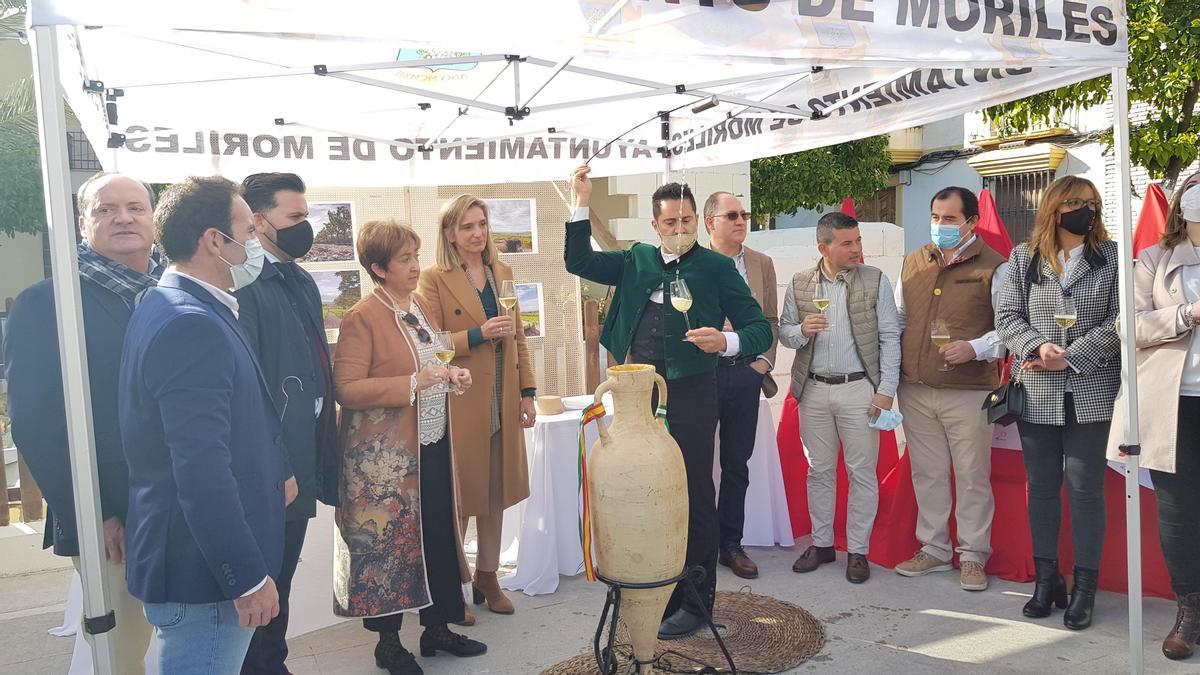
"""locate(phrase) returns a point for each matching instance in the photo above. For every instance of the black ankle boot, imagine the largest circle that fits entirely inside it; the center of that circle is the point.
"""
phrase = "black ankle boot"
(1083, 597)
(393, 657)
(1048, 589)
(437, 638)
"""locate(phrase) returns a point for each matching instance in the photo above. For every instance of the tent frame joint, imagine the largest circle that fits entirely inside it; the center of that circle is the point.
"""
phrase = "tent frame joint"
(1133, 450)
(116, 140)
(321, 69)
(95, 625)
(94, 86)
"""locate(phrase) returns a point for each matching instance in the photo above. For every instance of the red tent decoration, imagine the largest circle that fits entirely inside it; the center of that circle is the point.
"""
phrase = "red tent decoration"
(1152, 221)
(990, 228)
(848, 207)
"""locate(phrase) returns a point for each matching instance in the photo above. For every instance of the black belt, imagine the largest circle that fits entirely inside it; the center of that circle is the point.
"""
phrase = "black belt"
(736, 360)
(838, 379)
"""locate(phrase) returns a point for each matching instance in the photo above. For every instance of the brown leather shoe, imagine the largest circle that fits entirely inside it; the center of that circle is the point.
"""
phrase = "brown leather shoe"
(1180, 642)
(813, 557)
(857, 568)
(487, 587)
(735, 558)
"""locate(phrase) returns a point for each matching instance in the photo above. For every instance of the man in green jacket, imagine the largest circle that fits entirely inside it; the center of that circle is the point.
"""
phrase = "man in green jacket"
(643, 327)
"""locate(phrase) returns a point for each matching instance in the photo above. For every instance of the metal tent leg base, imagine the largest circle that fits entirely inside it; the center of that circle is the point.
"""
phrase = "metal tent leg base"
(606, 658)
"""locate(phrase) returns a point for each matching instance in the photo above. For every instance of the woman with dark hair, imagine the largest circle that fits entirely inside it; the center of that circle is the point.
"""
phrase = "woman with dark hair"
(1057, 316)
(397, 548)
(1166, 283)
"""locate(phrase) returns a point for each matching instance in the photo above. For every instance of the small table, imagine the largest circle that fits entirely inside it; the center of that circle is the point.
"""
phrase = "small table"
(549, 532)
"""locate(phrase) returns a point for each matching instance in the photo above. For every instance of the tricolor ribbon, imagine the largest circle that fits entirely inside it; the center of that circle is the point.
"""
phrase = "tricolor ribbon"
(590, 414)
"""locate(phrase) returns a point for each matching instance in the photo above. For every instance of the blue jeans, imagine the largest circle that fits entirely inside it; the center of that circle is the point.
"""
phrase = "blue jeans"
(198, 639)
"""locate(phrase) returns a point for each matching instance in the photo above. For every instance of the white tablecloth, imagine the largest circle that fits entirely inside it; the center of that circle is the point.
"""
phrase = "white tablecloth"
(549, 533)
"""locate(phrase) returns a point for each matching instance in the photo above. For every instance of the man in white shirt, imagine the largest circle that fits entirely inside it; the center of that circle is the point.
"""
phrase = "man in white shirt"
(945, 298)
(208, 474)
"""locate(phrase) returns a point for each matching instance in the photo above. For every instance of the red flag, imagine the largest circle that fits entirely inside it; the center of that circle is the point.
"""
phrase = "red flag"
(1152, 221)
(990, 228)
(848, 207)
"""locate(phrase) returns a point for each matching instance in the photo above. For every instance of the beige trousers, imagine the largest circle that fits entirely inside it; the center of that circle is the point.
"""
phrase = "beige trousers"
(131, 637)
(947, 431)
(488, 528)
(833, 415)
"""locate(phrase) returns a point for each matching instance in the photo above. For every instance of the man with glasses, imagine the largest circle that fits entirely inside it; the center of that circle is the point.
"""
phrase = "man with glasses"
(115, 265)
(740, 378)
(954, 279)
(643, 327)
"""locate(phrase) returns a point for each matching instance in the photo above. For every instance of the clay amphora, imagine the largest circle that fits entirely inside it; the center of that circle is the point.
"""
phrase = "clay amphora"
(639, 502)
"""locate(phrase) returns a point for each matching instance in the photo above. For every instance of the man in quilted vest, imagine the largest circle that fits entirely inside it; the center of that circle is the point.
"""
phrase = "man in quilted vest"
(845, 375)
(953, 281)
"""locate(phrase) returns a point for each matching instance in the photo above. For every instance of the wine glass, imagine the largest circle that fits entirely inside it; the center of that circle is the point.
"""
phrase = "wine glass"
(939, 333)
(508, 295)
(821, 300)
(681, 299)
(443, 347)
(1065, 316)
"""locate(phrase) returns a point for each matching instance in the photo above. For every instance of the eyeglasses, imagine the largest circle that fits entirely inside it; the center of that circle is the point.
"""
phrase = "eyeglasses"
(422, 334)
(733, 215)
(1073, 203)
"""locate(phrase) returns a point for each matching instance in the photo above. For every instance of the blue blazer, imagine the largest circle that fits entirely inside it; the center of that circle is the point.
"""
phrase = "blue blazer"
(205, 451)
(35, 402)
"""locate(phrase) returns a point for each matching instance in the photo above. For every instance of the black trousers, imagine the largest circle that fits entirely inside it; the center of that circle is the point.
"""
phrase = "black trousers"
(268, 648)
(441, 547)
(738, 389)
(692, 417)
(1076, 451)
(1179, 503)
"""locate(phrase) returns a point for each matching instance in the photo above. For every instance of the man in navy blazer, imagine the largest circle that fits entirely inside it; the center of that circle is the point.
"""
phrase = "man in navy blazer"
(207, 466)
(115, 264)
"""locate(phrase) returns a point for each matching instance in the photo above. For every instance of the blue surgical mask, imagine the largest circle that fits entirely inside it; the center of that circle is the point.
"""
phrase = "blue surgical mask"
(245, 273)
(945, 236)
(887, 420)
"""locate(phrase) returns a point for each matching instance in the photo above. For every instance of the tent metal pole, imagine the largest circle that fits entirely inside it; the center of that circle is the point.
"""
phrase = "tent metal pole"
(1132, 439)
(98, 619)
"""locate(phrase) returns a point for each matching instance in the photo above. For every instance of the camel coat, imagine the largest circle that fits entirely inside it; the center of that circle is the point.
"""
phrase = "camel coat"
(1161, 354)
(455, 305)
(379, 566)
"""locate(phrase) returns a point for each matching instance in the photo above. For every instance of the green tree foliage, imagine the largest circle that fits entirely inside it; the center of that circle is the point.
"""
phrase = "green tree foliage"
(22, 209)
(338, 231)
(349, 290)
(816, 178)
(1164, 73)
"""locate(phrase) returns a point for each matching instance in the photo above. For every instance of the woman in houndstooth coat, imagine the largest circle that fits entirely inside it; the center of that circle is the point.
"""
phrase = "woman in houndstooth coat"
(1071, 370)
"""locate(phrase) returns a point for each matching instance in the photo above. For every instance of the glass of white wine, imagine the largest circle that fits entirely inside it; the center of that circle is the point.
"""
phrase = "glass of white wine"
(443, 347)
(681, 300)
(1065, 316)
(822, 301)
(939, 333)
(508, 295)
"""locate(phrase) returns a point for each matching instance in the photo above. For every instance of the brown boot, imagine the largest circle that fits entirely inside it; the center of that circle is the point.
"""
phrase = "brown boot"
(486, 587)
(1180, 642)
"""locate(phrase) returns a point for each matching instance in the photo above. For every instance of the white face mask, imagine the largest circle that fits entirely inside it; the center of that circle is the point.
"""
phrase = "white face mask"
(1189, 204)
(247, 272)
(678, 243)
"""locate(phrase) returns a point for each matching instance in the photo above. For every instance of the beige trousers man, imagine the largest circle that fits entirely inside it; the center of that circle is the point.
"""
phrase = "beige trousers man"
(946, 430)
(833, 415)
(131, 637)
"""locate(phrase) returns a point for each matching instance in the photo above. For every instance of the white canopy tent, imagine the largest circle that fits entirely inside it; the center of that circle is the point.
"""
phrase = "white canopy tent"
(475, 91)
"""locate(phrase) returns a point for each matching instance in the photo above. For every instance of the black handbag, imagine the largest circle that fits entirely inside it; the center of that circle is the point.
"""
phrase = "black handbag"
(1006, 404)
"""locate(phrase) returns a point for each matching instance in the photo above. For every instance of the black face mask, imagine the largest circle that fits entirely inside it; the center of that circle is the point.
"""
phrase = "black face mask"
(295, 240)
(1078, 221)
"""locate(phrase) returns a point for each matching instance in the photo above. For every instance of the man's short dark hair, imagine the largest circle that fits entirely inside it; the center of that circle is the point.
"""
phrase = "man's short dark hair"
(259, 189)
(835, 220)
(969, 201)
(188, 208)
(671, 192)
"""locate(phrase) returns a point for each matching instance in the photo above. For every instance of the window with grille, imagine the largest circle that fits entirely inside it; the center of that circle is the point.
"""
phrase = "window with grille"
(1017, 196)
(80, 153)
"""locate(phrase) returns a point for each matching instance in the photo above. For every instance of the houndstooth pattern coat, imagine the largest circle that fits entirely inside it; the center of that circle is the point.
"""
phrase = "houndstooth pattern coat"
(1093, 346)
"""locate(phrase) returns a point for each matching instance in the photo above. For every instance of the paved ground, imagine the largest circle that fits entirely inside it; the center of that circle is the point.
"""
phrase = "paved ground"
(888, 625)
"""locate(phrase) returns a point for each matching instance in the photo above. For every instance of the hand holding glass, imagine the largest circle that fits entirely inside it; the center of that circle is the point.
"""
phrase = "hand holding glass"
(508, 295)
(681, 299)
(822, 301)
(1065, 316)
